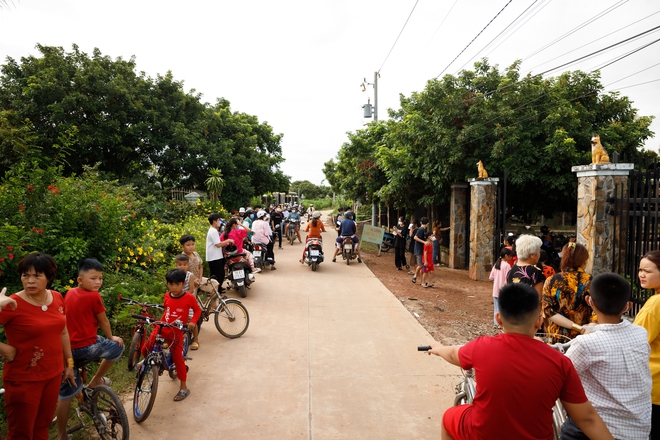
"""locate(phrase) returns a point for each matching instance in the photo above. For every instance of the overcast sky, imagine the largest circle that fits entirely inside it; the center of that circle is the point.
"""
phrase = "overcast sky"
(298, 64)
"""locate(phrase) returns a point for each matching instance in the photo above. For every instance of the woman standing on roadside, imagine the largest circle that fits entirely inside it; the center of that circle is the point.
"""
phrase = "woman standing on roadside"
(412, 230)
(649, 318)
(400, 233)
(38, 346)
(524, 270)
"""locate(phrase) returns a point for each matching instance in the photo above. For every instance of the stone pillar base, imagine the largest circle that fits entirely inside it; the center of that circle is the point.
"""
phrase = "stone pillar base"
(483, 203)
(458, 219)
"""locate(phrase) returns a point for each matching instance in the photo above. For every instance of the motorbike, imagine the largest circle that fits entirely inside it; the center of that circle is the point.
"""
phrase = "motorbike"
(239, 273)
(347, 250)
(291, 233)
(259, 254)
(388, 242)
(313, 252)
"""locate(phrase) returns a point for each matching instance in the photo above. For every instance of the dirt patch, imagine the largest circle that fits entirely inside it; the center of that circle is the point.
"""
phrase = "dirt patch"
(456, 310)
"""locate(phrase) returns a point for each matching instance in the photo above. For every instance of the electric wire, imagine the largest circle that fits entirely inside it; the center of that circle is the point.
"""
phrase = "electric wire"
(632, 74)
(635, 85)
(498, 35)
(480, 32)
(593, 41)
(397, 38)
(628, 54)
(577, 28)
(436, 31)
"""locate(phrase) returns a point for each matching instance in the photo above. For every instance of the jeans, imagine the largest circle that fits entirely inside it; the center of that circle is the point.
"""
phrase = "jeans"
(400, 257)
(436, 252)
(570, 431)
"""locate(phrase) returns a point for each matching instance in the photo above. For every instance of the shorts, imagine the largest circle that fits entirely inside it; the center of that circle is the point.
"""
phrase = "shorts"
(428, 268)
(419, 259)
(452, 420)
(101, 349)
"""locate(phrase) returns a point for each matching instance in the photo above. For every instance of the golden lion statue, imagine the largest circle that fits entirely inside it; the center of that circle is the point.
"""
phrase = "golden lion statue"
(598, 153)
(483, 174)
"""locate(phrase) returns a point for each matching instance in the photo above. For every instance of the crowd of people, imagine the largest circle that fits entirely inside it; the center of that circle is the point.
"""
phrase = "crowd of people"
(609, 380)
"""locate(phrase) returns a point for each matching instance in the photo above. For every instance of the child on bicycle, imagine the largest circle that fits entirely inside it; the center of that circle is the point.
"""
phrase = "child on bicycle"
(178, 304)
(85, 315)
(612, 361)
(190, 285)
(519, 379)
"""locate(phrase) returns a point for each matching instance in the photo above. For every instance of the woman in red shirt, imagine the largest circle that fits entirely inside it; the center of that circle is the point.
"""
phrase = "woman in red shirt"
(38, 344)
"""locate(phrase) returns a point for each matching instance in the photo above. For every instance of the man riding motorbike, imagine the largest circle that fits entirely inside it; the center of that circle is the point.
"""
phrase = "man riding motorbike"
(294, 216)
(348, 228)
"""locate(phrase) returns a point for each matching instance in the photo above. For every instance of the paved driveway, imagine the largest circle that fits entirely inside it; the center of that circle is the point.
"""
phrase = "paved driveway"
(330, 354)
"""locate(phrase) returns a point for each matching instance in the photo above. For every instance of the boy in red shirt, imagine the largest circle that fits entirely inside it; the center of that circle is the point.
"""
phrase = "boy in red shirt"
(519, 378)
(85, 315)
(178, 304)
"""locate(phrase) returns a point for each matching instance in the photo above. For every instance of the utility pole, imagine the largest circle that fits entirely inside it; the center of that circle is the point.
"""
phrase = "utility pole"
(368, 113)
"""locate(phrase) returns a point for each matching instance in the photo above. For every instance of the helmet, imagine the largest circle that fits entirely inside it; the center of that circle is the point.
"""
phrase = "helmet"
(260, 214)
(241, 211)
(317, 214)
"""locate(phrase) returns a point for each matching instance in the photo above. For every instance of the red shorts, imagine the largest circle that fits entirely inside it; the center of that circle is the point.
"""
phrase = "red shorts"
(452, 420)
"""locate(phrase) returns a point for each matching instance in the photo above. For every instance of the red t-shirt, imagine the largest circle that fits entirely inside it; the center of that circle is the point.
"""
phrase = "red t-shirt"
(37, 336)
(518, 381)
(82, 306)
(238, 235)
(428, 254)
(179, 307)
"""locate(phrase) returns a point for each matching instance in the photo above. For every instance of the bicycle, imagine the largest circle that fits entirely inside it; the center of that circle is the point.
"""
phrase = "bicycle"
(231, 316)
(102, 406)
(139, 332)
(152, 367)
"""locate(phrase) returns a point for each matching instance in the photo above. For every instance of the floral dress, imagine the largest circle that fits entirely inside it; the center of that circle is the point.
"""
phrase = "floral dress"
(565, 294)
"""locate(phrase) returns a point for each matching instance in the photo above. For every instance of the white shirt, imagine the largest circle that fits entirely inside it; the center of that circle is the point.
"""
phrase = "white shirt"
(212, 251)
(613, 365)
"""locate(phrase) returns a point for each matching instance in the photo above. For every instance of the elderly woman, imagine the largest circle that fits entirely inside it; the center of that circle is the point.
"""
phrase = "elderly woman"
(524, 270)
(36, 333)
(649, 318)
(564, 307)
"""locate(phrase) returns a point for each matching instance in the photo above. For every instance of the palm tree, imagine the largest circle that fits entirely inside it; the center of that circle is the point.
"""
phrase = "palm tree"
(215, 183)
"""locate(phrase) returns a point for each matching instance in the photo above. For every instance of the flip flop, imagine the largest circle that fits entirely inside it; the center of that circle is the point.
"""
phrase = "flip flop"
(181, 395)
(425, 285)
(414, 280)
(194, 346)
(106, 381)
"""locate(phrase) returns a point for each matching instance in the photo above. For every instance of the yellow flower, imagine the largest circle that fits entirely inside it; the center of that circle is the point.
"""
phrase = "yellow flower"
(143, 264)
(70, 281)
(125, 266)
(119, 249)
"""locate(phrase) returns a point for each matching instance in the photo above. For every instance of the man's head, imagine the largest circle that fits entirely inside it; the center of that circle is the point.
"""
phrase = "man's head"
(183, 262)
(214, 217)
(424, 221)
(610, 294)
(90, 274)
(519, 306)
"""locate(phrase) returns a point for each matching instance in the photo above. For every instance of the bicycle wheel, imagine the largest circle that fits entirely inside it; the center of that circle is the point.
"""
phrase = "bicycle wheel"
(232, 320)
(145, 393)
(134, 350)
(111, 421)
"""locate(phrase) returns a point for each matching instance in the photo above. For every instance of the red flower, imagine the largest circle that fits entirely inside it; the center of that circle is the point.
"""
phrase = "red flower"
(9, 248)
(30, 188)
(21, 207)
(53, 188)
(11, 256)
(96, 207)
(33, 229)
(134, 215)
(2, 259)
(41, 231)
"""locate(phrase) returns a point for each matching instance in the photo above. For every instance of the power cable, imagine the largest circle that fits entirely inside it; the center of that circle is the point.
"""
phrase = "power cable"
(497, 36)
(628, 54)
(632, 74)
(593, 41)
(577, 28)
(436, 31)
(397, 38)
(635, 85)
(465, 48)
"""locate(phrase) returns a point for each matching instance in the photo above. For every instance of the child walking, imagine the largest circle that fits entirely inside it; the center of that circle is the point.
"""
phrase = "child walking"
(498, 276)
(178, 304)
(427, 261)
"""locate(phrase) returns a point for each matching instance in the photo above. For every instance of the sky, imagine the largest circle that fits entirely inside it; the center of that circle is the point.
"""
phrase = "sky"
(298, 64)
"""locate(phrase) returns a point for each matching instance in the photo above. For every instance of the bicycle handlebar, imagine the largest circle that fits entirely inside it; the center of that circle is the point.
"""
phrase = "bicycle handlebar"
(423, 348)
(130, 301)
(176, 324)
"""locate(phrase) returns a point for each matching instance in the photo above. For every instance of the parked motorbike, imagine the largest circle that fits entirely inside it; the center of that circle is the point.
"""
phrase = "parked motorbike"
(388, 242)
(259, 254)
(313, 252)
(347, 250)
(239, 273)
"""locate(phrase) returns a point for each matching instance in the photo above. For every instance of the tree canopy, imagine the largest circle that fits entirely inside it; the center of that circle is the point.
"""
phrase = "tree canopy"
(84, 110)
(534, 128)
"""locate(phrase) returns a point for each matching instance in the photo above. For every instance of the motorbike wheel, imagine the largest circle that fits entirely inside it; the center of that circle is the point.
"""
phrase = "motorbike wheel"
(314, 265)
(385, 247)
(242, 291)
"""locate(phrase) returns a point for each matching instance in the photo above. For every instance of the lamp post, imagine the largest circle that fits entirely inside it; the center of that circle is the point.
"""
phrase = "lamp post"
(370, 111)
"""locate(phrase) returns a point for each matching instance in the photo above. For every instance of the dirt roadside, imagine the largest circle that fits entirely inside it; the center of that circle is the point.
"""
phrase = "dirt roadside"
(456, 310)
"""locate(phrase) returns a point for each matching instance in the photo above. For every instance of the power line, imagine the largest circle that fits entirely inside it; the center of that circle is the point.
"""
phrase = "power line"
(635, 85)
(632, 74)
(397, 38)
(436, 30)
(628, 54)
(491, 20)
(577, 28)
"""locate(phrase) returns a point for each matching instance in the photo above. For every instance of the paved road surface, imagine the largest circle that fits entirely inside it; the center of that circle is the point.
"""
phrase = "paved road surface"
(330, 354)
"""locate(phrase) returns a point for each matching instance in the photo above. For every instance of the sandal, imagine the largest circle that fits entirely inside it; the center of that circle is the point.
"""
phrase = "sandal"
(194, 346)
(181, 395)
(425, 285)
(414, 279)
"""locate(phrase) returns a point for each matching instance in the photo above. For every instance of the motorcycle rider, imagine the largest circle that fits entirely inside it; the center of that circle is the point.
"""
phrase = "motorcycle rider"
(294, 216)
(276, 220)
(262, 234)
(314, 229)
(348, 228)
(310, 211)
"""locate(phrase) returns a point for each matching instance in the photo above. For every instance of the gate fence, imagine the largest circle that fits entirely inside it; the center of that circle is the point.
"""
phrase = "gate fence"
(636, 214)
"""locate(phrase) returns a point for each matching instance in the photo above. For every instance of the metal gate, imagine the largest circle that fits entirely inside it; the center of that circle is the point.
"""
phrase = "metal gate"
(636, 214)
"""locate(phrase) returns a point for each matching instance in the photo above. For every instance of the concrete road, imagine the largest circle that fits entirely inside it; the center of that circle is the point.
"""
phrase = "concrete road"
(330, 354)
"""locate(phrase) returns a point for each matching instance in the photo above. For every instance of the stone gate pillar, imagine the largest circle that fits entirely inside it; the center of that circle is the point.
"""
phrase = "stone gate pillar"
(458, 219)
(595, 224)
(483, 209)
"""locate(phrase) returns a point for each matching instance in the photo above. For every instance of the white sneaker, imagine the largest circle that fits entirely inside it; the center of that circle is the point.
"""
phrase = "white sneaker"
(256, 270)
(251, 277)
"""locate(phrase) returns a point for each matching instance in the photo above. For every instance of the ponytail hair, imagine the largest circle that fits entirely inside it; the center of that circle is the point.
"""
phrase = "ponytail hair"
(229, 227)
(503, 253)
(573, 256)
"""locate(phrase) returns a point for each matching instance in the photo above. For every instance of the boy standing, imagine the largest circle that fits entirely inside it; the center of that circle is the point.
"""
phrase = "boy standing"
(196, 265)
(190, 285)
(427, 260)
(86, 314)
(420, 239)
(214, 255)
(178, 304)
(519, 378)
(612, 362)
